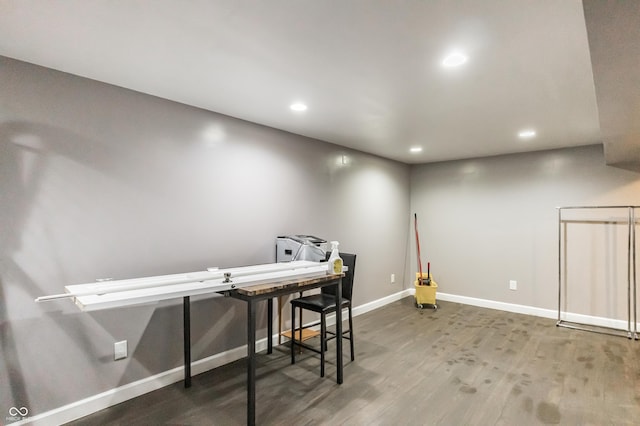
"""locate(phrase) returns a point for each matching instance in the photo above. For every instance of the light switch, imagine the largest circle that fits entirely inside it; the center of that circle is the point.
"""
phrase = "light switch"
(119, 350)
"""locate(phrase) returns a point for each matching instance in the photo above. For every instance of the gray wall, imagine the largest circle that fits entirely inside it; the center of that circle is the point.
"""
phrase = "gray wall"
(486, 221)
(98, 181)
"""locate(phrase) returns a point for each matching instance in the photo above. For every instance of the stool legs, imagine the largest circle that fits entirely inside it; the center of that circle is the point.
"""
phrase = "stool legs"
(353, 357)
(323, 338)
(323, 342)
(293, 334)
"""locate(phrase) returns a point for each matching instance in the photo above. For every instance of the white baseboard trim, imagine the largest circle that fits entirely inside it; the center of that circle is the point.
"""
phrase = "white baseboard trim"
(359, 310)
(114, 396)
(538, 312)
(123, 393)
(501, 306)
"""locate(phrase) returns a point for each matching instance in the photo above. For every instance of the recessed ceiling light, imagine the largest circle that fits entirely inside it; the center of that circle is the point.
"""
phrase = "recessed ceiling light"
(298, 106)
(454, 59)
(526, 134)
(415, 149)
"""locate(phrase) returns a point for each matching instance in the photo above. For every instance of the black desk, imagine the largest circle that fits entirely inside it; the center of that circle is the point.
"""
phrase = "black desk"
(257, 293)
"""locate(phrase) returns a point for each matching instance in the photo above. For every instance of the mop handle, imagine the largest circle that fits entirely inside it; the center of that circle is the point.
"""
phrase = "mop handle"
(415, 215)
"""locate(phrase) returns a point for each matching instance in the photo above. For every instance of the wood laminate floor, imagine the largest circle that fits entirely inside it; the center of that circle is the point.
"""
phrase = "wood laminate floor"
(459, 365)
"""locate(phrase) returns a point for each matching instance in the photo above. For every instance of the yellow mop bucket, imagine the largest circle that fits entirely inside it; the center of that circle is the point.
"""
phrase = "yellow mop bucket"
(425, 294)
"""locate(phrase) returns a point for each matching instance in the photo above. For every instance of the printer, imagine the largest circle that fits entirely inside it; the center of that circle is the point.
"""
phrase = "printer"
(300, 247)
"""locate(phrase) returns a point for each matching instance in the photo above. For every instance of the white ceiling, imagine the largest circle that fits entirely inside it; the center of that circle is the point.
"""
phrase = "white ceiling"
(369, 71)
(614, 44)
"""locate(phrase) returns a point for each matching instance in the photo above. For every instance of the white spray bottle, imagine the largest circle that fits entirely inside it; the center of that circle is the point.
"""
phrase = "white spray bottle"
(334, 265)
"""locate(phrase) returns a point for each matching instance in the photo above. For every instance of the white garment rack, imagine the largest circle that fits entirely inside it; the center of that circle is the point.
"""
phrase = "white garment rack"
(631, 275)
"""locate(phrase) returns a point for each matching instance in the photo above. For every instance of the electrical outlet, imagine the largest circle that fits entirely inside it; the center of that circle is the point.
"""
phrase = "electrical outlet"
(513, 285)
(119, 350)
(393, 278)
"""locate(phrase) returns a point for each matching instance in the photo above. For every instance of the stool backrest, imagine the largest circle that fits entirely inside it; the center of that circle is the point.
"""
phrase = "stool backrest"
(348, 260)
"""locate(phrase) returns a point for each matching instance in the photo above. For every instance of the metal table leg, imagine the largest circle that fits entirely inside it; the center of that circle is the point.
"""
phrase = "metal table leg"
(293, 336)
(269, 325)
(186, 330)
(251, 362)
(339, 330)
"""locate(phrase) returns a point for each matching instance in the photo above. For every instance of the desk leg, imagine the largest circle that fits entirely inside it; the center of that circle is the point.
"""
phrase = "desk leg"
(251, 362)
(280, 306)
(269, 325)
(339, 330)
(186, 321)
